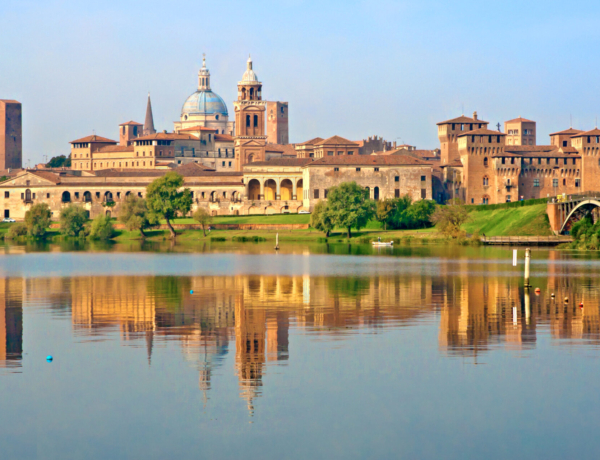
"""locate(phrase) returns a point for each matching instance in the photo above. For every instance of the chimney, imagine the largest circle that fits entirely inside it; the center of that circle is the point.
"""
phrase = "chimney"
(394, 144)
(475, 115)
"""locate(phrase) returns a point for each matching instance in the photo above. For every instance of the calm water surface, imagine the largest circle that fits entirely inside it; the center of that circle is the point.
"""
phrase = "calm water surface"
(235, 352)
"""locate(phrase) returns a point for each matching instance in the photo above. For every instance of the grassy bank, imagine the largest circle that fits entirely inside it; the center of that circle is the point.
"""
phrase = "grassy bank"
(515, 221)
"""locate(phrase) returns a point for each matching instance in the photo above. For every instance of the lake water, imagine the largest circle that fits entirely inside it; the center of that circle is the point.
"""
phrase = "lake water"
(235, 352)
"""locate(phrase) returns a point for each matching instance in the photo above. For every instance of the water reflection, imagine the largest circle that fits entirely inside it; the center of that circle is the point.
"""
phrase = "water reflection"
(209, 316)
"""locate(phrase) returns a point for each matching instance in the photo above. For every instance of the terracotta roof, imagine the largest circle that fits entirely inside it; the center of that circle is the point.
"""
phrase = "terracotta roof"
(314, 141)
(223, 138)
(360, 143)
(567, 131)
(370, 160)
(529, 148)
(131, 123)
(281, 162)
(199, 128)
(482, 132)
(335, 140)
(556, 153)
(166, 136)
(188, 170)
(462, 119)
(92, 139)
(52, 177)
(9, 101)
(285, 149)
(115, 148)
(456, 163)
(592, 132)
(191, 168)
(519, 120)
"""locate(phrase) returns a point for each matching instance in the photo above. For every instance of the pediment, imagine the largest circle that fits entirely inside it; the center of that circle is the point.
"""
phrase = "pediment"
(253, 143)
(27, 179)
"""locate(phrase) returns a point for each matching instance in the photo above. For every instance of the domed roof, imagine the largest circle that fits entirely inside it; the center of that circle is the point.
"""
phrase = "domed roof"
(204, 103)
(249, 75)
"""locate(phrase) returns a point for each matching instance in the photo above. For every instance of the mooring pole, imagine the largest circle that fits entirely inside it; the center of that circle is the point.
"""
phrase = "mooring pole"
(527, 261)
(514, 257)
(527, 307)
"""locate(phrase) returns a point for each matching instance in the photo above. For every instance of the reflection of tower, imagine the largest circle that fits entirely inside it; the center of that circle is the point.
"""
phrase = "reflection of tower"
(250, 139)
(250, 332)
(11, 322)
(278, 328)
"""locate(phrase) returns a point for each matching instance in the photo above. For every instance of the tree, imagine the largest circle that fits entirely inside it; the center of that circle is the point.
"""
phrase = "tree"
(135, 215)
(321, 219)
(102, 228)
(72, 220)
(16, 230)
(59, 161)
(419, 213)
(349, 206)
(399, 218)
(385, 211)
(203, 218)
(450, 218)
(164, 199)
(37, 220)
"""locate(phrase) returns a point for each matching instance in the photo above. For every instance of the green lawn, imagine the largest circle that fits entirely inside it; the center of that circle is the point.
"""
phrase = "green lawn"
(522, 221)
(274, 219)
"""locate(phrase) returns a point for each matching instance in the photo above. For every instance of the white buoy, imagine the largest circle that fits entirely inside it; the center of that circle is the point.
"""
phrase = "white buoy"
(514, 257)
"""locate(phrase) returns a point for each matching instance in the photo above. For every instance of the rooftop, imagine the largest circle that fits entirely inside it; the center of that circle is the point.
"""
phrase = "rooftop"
(592, 132)
(463, 119)
(290, 162)
(335, 140)
(166, 136)
(131, 123)
(519, 120)
(567, 131)
(314, 141)
(199, 128)
(115, 148)
(482, 132)
(92, 139)
(370, 160)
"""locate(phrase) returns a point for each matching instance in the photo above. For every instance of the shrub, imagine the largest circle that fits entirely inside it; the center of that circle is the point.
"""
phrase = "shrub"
(218, 238)
(16, 230)
(203, 217)
(72, 220)
(102, 228)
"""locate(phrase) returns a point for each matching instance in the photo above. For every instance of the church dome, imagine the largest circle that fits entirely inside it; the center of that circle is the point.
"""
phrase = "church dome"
(204, 103)
(249, 75)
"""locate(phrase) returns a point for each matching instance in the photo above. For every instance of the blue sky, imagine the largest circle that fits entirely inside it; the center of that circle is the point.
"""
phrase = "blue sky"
(352, 68)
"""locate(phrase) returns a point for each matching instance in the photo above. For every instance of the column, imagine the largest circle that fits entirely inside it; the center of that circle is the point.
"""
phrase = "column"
(262, 189)
(278, 192)
(294, 189)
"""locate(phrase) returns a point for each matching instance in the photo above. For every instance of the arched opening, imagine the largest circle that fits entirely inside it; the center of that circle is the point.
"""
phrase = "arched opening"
(286, 189)
(299, 190)
(27, 196)
(65, 198)
(255, 121)
(214, 197)
(127, 194)
(368, 192)
(251, 93)
(486, 199)
(486, 181)
(225, 196)
(108, 197)
(250, 158)
(87, 197)
(270, 189)
(247, 121)
(254, 190)
(108, 214)
(243, 93)
(485, 162)
(376, 193)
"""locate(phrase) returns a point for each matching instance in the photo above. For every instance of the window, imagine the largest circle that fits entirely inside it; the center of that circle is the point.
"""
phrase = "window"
(472, 200)
(230, 164)
(350, 152)
(554, 182)
(316, 194)
(512, 161)
(6, 213)
(6, 194)
(564, 143)
(255, 124)
(486, 199)
(357, 169)
(423, 178)
(397, 193)
(329, 153)
(423, 193)
(485, 181)
(508, 198)
(223, 164)
(485, 162)
(376, 169)
(325, 193)
(340, 153)
(247, 121)
(503, 160)
(564, 181)
(397, 179)
(536, 182)
(336, 169)
(576, 182)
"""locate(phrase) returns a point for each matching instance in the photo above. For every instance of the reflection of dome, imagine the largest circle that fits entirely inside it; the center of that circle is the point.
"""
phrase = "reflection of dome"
(204, 103)
(249, 75)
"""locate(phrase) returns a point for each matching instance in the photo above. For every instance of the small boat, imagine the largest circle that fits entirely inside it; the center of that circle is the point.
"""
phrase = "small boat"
(383, 243)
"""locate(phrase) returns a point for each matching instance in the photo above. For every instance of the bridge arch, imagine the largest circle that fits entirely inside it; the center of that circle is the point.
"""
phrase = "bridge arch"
(581, 210)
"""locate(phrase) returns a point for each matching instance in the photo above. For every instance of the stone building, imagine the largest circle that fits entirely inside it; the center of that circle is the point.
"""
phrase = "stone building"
(520, 131)
(389, 176)
(373, 144)
(332, 146)
(11, 135)
(448, 132)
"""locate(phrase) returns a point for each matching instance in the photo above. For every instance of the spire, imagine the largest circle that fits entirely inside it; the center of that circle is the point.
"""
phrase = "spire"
(203, 76)
(149, 122)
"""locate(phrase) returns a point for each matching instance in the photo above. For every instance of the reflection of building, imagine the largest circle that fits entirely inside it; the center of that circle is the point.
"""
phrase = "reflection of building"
(11, 322)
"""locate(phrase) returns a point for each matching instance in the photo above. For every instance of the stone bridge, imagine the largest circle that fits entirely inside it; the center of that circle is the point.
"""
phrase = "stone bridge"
(563, 214)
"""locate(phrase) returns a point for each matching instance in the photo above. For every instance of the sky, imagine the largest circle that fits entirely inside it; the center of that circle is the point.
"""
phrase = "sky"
(351, 68)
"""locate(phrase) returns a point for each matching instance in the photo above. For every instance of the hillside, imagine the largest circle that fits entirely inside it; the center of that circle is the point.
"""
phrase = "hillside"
(518, 221)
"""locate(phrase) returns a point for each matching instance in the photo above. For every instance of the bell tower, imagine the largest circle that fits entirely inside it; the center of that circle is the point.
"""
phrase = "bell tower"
(250, 138)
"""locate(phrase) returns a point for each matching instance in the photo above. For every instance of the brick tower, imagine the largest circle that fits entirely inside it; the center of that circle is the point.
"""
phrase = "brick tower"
(277, 123)
(250, 139)
(11, 137)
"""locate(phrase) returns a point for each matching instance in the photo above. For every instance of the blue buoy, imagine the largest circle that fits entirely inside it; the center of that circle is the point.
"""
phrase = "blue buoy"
(191, 292)
(49, 358)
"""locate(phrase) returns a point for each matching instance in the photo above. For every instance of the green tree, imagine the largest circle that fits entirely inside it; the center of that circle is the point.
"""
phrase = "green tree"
(102, 228)
(16, 230)
(385, 211)
(399, 218)
(203, 217)
(59, 161)
(165, 200)
(37, 220)
(450, 218)
(321, 219)
(72, 220)
(349, 206)
(419, 213)
(135, 215)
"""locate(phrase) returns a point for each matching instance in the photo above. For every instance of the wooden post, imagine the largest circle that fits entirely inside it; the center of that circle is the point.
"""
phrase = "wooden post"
(514, 257)
(527, 261)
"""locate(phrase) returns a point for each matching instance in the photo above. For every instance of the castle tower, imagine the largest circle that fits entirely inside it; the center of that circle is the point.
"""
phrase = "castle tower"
(520, 131)
(11, 137)
(149, 122)
(277, 123)
(250, 139)
(128, 132)
(448, 132)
